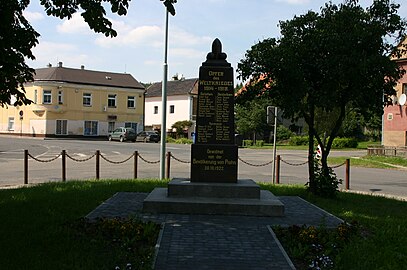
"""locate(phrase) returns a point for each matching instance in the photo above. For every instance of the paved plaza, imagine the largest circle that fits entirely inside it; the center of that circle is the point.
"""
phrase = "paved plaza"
(217, 241)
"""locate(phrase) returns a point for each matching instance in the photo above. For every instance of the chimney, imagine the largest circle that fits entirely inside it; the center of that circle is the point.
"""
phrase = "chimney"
(59, 64)
(49, 65)
(82, 67)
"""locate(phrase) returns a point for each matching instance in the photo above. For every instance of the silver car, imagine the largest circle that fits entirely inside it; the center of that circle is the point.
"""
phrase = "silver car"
(122, 134)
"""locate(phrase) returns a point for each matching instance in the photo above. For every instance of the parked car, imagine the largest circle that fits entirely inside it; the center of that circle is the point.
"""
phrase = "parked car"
(122, 134)
(148, 136)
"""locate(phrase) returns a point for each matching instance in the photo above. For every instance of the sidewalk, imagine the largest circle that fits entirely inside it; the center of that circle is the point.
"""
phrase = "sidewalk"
(215, 241)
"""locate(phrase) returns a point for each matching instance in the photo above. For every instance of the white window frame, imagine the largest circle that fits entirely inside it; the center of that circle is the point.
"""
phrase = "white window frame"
(93, 130)
(111, 126)
(61, 127)
(88, 98)
(11, 122)
(172, 108)
(60, 97)
(112, 100)
(35, 96)
(131, 102)
(46, 97)
(155, 110)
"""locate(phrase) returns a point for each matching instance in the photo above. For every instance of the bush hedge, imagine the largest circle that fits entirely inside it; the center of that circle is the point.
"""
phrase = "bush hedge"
(338, 143)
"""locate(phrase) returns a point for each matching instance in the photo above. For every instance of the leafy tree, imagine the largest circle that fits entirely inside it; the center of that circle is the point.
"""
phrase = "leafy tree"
(180, 126)
(18, 37)
(325, 62)
(250, 118)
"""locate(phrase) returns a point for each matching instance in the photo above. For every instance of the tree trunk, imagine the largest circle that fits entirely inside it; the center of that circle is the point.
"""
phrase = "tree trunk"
(311, 149)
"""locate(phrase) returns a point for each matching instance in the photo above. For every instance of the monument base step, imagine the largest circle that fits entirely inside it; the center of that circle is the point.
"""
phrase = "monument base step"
(158, 201)
(244, 188)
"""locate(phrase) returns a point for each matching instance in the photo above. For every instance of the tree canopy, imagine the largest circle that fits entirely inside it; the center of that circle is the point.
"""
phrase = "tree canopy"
(18, 37)
(325, 62)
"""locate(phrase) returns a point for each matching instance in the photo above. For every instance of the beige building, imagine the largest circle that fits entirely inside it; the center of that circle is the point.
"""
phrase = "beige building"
(76, 102)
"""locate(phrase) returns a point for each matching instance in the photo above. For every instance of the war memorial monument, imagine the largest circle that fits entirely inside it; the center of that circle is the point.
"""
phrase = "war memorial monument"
(214, 187)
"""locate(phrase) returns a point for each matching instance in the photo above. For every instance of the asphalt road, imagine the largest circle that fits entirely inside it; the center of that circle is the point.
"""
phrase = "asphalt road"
(378, 181)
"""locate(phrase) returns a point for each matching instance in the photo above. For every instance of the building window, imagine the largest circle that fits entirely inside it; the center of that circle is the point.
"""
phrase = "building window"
(172, 109)
(87, 99)
(111, 101)
(389, 116)
(61, 128)
(131, 102)
(404, 90)
(155, 109)
(35, 96)
(111, 126)
(10, 123)
(60, 97)
(131, 125)
(91, 128)
(47, 97)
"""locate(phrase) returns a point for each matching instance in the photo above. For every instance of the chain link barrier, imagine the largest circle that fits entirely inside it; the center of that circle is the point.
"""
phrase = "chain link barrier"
(116, 162)
(293, 164)
(146, 161)
(255, 165)
(339, 165)
(80, 160)
(180, 160)
(44, 160)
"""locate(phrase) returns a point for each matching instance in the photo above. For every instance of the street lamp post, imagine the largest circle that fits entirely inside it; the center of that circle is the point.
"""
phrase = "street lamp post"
(164, 101)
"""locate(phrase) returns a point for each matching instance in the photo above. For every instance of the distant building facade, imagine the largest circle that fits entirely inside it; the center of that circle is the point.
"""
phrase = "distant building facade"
(395, 117)
(76, 103)
(181, 103)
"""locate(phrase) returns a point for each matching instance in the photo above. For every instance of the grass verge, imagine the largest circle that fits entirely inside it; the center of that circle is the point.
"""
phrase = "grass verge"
(384, 162)
(381, 237)
(42, 227)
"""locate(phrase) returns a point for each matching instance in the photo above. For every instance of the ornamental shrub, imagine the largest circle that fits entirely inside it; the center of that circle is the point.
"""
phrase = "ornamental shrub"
(298, 140)
(247, 143)
(344, 143)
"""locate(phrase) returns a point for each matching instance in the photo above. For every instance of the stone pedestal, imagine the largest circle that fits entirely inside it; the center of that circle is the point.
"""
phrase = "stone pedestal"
(185, 197)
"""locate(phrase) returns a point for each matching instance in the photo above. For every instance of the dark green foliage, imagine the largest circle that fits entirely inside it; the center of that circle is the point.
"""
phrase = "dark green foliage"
(298, 140)
(326, 182)
(283, 133)
(18, 37)
(182, 127)
(259, 143)
(344, 143)
(317, 247)
(251, 117)
(247, 142)
(324, 63)
(130, 240)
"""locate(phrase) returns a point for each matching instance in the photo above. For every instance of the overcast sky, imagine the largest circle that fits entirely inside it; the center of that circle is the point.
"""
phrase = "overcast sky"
(139, 47)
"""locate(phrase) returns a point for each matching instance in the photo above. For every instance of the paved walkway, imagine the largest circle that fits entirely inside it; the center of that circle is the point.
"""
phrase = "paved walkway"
(215, 241)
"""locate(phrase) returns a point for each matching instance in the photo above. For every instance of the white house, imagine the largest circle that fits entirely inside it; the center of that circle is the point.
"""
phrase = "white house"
(181, 103)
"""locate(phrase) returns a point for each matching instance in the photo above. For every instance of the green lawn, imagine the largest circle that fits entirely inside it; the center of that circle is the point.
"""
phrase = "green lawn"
(42, 227)
(384, 162)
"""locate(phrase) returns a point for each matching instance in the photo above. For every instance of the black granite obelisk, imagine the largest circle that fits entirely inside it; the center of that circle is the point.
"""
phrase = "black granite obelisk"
(214, 154)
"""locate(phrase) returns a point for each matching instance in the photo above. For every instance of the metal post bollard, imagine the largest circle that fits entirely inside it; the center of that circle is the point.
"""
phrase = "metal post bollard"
(135, 163)
(63, 165)
(167, 174)
(277, 169)
(347, 174)
(26, 167)
(97, 164)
